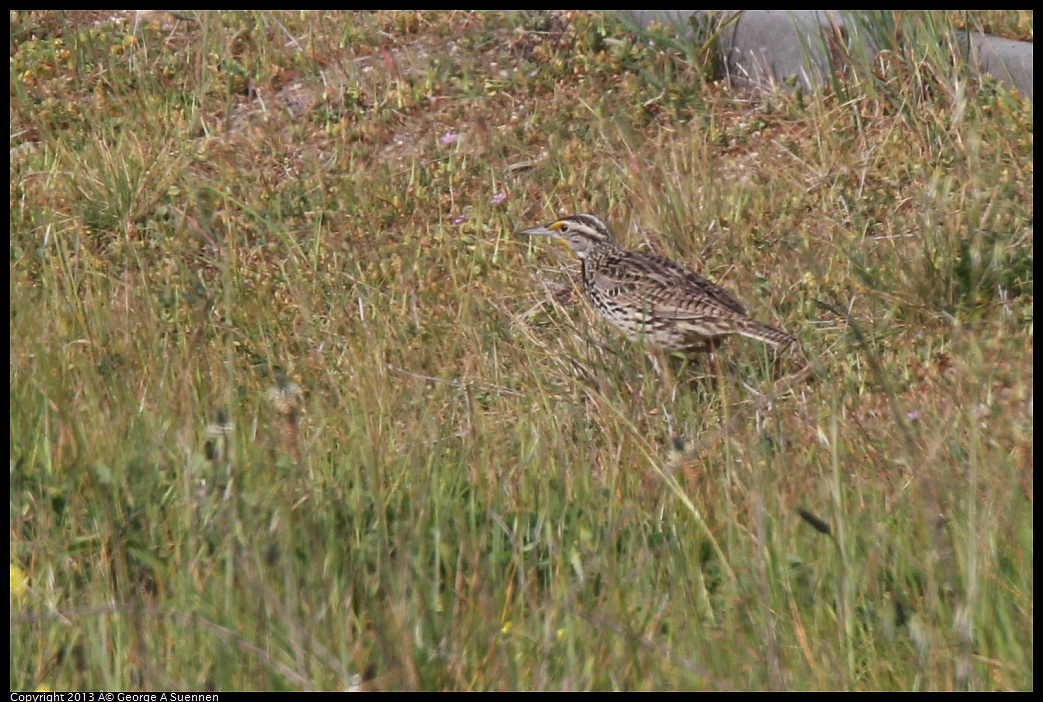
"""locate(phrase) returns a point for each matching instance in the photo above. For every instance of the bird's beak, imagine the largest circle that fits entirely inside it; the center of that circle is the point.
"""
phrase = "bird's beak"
(549, 229)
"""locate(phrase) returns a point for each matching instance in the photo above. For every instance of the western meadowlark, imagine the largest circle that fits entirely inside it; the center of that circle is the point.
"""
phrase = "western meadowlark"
(651, 298)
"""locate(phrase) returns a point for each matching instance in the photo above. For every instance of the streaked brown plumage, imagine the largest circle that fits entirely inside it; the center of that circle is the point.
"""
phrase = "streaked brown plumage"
(653, 299)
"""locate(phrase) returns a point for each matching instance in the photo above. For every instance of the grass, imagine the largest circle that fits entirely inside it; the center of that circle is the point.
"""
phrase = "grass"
(1010, 25)
(291, 407)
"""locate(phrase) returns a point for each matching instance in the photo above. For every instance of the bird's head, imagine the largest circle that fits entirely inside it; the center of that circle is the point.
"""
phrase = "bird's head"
(583, 232)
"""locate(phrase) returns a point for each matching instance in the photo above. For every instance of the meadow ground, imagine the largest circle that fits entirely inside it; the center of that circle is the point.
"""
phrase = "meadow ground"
(292, 407)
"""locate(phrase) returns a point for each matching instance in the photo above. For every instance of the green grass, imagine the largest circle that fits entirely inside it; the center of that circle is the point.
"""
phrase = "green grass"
(484, 487)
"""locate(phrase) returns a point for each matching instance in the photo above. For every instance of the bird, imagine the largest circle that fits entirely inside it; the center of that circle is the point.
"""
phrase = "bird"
(654, 300)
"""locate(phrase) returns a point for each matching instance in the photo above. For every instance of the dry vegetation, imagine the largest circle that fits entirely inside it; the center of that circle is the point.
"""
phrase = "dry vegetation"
(291, 407)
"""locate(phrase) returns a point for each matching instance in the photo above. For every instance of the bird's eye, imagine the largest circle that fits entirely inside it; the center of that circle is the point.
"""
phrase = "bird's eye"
(564, 228)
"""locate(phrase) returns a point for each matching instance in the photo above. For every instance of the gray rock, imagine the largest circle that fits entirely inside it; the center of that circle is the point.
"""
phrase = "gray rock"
(768, 48)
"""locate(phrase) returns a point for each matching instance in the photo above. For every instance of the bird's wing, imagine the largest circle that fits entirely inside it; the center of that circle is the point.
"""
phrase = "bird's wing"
(669, 284)
(659, 303)
(678, 276)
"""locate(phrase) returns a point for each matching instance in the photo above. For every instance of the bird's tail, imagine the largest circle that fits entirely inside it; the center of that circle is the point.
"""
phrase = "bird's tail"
(767, 334)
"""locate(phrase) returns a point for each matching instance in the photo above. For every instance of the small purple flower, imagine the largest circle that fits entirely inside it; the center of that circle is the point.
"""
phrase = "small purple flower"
(499, 198)
(459, 219)
(913, 415)
(448, 138)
